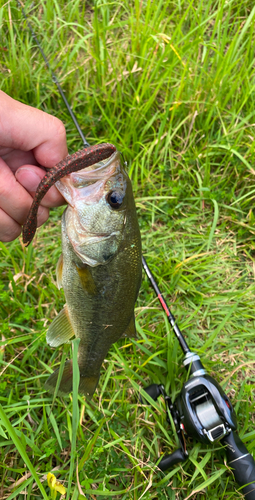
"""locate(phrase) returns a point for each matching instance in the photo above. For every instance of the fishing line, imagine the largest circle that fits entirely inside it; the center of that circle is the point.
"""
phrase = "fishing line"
(53, 75)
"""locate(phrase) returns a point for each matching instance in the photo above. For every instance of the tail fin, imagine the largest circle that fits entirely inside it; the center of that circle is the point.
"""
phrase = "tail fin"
(87, 385)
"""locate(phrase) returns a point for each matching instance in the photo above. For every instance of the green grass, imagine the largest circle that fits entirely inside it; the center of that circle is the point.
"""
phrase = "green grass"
(172, 85)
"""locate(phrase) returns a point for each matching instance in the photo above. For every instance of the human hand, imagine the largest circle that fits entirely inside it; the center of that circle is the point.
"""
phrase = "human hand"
(30, 142)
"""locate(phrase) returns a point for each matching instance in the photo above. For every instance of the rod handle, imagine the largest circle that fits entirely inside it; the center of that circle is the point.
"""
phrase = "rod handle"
(242, 464)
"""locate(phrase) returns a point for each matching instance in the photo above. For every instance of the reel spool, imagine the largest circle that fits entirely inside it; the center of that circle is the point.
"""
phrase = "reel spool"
(211, 421)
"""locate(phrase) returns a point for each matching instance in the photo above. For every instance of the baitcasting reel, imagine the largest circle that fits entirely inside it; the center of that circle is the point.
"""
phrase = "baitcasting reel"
(203, 411)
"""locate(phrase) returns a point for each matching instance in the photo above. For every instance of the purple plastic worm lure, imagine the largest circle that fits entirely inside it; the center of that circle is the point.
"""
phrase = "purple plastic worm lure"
(72, 163)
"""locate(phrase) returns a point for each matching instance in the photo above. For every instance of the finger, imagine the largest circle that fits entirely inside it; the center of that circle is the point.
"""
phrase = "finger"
(29, 177)
(15, 158)
(9, 229)
(26, 128)
(15, 201)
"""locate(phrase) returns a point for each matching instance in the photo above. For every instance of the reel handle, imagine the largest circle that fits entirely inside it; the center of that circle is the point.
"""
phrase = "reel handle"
(154, 391)
(242, 463)
(170, 460)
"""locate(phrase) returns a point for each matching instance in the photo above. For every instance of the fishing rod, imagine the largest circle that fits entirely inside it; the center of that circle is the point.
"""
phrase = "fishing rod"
(53, 76)
(202, 410)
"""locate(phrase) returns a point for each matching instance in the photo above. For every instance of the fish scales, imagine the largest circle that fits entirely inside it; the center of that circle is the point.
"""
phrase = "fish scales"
(100, 269)
(72, 163)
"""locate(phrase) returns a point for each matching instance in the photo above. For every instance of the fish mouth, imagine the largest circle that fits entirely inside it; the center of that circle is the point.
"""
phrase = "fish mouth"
(92, 227)
(88, 184)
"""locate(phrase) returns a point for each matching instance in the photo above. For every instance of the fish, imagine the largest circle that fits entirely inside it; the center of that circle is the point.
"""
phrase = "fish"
(100, 269)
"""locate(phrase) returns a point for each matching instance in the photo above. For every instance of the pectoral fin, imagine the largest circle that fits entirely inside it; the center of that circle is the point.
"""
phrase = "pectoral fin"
(86, 279)
(60, 330)
(131, 330)
(59, 270)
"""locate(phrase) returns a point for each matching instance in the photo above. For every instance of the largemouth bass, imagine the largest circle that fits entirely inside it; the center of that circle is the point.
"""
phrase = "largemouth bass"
(99, 269)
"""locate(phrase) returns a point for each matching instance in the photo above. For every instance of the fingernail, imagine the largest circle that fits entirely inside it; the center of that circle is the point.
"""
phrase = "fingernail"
(28, 179)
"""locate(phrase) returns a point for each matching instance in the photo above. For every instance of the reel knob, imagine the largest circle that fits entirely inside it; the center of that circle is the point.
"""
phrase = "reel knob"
(154, 391)
(170, 460)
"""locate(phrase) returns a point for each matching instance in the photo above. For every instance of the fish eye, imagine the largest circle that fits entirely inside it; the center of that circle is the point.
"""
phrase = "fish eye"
(114, 199)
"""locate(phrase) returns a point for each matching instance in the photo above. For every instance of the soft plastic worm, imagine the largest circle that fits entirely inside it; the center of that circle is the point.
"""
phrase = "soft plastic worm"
(72, 163)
